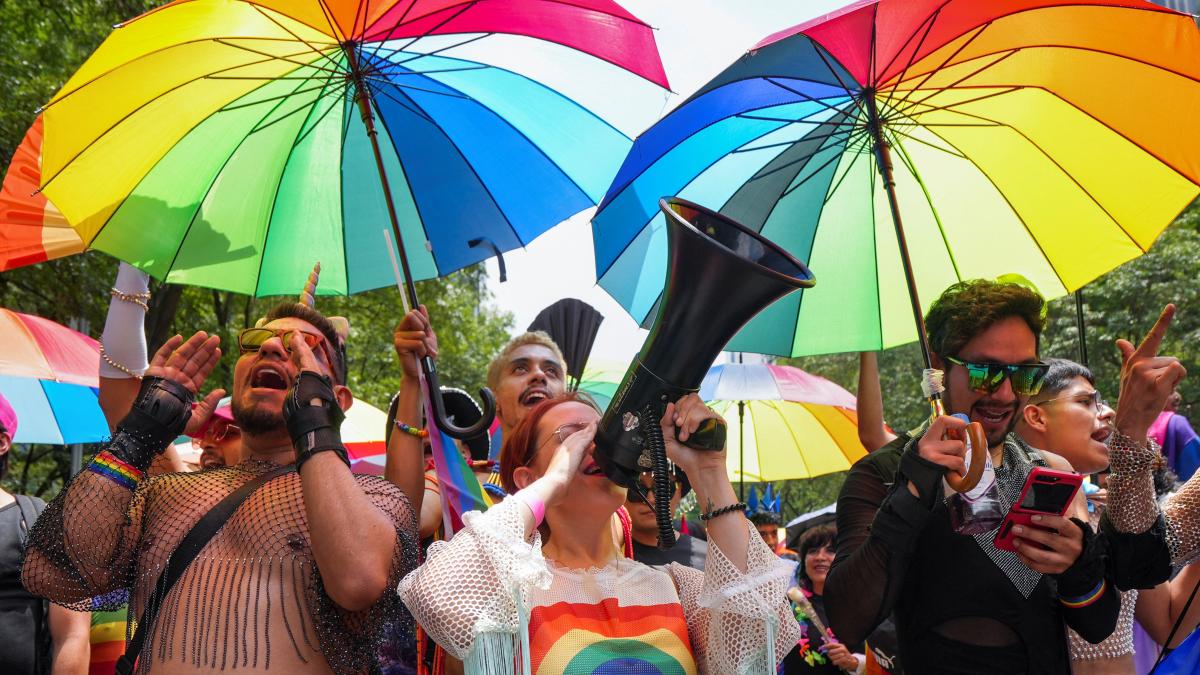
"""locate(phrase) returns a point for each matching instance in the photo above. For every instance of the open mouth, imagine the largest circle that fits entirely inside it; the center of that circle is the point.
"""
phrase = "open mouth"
(267, 377)
(1102, 434)
(591, 469)
(534, 396)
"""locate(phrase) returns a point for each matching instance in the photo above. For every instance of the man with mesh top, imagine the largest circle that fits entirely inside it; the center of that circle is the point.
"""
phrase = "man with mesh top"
(296, 576)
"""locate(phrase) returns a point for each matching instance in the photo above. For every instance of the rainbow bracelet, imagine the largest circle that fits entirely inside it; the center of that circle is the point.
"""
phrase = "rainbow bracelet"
(1086, 599)
(412, 431)
(106, 464)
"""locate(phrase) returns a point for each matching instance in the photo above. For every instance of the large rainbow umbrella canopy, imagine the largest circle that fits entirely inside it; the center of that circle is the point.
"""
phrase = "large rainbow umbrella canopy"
(1053, 139)
(220, 143)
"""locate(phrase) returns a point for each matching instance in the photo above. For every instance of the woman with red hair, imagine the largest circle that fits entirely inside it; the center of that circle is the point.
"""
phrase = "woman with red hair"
(536, 584)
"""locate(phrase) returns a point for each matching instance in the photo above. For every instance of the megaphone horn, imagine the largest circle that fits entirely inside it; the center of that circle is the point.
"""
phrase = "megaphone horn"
(720, 274)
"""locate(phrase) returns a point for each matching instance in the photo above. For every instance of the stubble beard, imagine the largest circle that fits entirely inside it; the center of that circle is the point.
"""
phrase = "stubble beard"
(256, 421)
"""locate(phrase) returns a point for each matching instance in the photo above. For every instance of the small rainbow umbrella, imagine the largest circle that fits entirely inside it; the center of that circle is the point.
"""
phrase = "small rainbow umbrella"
(899, 146)
(50, 375)
(784, 423)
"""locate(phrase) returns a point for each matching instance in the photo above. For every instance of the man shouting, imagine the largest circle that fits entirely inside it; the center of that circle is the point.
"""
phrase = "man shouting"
(298, 578)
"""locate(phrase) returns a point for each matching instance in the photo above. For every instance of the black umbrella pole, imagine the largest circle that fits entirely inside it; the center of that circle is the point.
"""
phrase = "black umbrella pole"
(427, 365)
(883, 160)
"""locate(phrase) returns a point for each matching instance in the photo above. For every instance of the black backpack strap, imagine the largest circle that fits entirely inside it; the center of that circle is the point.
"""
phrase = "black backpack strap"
(183, 555)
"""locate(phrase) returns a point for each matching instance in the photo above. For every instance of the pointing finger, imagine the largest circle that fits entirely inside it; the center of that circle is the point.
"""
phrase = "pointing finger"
(1154, 338)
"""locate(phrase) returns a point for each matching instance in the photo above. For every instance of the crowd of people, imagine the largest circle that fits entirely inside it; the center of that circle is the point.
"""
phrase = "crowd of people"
(272, 554)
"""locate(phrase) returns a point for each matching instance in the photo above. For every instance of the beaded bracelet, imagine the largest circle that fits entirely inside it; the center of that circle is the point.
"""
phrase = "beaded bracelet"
(124, 369)
(139, 299)
(716, 513)
(412, 431)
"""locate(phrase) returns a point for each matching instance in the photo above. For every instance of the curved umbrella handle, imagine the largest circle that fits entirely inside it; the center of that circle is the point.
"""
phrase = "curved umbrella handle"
(973, 434)
(439, 408)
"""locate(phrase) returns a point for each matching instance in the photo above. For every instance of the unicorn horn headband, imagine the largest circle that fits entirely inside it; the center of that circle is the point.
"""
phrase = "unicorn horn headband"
(308, 298)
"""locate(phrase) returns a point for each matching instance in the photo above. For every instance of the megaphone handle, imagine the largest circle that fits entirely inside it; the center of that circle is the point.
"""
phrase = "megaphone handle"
(710, 435)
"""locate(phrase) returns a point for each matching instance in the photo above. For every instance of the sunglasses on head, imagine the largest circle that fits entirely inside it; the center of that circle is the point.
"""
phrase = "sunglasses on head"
(986, 378)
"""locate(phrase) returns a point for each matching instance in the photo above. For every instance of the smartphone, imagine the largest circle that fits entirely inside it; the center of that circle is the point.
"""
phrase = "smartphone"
(1046, 491)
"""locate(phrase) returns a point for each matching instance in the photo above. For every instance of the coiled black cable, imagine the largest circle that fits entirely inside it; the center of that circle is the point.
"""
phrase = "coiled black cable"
(663, 481)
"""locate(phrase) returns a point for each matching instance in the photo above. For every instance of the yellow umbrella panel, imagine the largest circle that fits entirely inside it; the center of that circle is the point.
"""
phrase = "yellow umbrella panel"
(786, 440)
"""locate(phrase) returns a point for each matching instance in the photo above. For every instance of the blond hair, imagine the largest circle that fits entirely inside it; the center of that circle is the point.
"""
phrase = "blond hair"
(533, 337)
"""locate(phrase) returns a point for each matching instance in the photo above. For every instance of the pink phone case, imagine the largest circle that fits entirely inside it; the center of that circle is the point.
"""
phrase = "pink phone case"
(1020, 516)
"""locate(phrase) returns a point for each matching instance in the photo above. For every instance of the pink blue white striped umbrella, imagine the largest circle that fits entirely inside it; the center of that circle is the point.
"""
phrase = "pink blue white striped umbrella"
(50, 375)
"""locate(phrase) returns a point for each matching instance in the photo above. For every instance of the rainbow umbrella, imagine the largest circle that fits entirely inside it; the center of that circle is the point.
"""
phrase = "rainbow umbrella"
(50, 375)
(899, 146)
(232, 144)
(784, 423)
(31, 229)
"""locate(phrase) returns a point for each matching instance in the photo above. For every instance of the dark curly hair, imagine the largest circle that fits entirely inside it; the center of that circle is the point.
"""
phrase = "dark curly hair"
(968, 308)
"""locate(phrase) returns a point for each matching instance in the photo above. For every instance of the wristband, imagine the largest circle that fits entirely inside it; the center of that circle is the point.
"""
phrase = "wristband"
(535, 503)
(303, 456)
(108, 465)
(314, 427)
(1086, 599)
(159, 414)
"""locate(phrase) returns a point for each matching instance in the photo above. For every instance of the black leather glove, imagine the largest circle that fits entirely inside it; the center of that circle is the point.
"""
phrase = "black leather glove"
(159, 414)
(313, 418)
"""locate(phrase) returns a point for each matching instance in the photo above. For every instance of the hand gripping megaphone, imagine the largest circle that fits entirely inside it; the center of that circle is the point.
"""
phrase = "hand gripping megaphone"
(720, 274)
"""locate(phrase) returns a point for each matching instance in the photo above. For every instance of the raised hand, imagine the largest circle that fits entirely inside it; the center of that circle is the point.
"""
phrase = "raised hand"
(414, 339)
(935, 447)
(187, 363)
(1147, 379)
(686, 415)
(568, 457)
